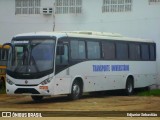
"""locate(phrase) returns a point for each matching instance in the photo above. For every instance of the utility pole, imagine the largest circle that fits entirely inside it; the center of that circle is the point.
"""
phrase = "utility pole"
(54, 18)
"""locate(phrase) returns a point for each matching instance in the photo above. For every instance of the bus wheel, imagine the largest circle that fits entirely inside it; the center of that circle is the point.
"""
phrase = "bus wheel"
(129, 87)
(76, 91)
(37, 98)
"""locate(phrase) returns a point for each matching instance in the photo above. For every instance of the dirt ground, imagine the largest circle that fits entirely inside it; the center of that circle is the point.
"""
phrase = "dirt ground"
(86, 103)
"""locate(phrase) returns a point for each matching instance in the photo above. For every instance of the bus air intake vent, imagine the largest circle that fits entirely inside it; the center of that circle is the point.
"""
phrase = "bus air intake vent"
(26, 90)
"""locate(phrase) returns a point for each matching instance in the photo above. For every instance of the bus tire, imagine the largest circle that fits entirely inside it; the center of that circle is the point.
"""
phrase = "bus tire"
(129, 86)
(37, 98)
(76, 90)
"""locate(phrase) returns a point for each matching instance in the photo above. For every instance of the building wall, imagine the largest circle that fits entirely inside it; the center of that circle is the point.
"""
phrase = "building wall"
(11, 24)
(141, 22)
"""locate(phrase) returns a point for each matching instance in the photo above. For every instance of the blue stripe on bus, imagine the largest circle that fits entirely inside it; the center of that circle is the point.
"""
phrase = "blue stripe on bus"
(104, 68)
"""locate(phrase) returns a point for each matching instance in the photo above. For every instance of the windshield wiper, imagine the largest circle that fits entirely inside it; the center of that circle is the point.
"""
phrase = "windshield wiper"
(17, 67)
(35, 64)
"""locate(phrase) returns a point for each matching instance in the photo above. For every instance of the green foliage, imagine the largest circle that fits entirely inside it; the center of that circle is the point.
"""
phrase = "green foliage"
(155, 92)
(2, 90)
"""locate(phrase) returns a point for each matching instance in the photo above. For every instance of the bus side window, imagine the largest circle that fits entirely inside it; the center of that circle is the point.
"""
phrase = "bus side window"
(109, 50)
(134, 51)
(78, 50)
(65, 56)
(93, 49)
(63, 59)
(152, 52)
(145, 52)
(121, 51)
(4, 54)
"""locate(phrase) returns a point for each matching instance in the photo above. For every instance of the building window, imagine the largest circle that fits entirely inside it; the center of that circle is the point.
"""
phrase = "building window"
(27, 6)
(154, 2)
(68, 6)
(117, 6)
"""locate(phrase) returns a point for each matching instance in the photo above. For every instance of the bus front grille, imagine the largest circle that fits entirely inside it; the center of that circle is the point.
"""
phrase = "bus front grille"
(26, 90)
(26, 85)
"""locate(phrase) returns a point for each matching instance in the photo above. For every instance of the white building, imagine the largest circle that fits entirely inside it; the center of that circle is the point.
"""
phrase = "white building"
(133, 18)
(15, 17)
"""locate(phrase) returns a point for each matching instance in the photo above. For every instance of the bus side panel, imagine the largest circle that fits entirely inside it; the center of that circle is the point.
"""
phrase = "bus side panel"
(112, 78)
(98, 80)
(62, 83)
(144, 73)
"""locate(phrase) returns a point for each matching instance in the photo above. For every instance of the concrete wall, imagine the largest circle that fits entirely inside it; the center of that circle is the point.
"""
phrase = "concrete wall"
(11, 24)
(141, 22)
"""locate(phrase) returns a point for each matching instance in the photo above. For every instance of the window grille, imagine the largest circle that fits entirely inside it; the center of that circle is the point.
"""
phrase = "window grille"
(27, 6)
(68, 6)
(151, 2)
(117, 6)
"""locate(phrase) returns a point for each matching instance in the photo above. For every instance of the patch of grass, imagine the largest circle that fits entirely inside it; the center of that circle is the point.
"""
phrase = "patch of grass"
(155, 92)
(2, 90)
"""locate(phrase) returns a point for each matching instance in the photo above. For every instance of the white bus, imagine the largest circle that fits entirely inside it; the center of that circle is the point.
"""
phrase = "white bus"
(53, 63)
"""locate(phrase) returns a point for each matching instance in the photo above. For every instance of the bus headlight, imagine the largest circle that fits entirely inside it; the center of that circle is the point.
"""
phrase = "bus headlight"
(46, 81)
(9, 81)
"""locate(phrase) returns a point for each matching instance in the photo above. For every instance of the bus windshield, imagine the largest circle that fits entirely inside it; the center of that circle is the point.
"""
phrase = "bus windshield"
(31, 56)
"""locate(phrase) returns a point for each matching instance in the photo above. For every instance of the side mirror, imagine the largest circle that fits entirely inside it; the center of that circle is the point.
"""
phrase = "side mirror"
(60, 50)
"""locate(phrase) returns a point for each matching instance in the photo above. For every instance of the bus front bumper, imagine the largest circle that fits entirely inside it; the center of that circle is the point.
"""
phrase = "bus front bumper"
(27, 90)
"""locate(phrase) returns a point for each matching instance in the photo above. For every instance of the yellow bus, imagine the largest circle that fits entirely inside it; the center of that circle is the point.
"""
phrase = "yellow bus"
(3, 62)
